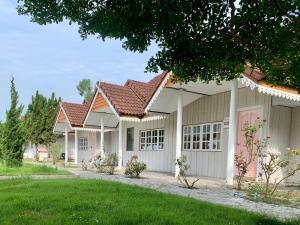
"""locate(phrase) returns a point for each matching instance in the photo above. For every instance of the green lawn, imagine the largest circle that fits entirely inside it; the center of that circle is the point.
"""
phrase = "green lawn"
(89, 202)
(30, 169)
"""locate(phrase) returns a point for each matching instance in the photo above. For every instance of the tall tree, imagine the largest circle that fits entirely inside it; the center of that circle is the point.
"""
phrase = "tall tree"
(85, 88)
(1, 140)
(40, 118)
(13, 133)
(206, 39)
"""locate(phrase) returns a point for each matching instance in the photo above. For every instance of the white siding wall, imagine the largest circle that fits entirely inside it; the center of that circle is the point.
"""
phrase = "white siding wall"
(204, 110)
(295, 139)
(280, 124)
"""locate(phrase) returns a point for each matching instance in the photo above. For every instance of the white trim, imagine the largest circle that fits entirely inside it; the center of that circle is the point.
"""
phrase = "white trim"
(62, 109)
(159, 89)
(91, 106)
(268, 90)
(250, 108)
(145, 143)
(201, 135)
(261, 132)
(147, 119)
(86, 129)
(109, 103)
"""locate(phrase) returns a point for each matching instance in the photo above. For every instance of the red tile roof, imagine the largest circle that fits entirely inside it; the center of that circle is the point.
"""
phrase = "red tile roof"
(76, 112)
(132, 98)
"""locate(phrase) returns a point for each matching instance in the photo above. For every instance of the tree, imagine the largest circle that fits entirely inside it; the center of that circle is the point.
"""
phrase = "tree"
(40, 118)
(85, 88)
(55, 150)
(1, 140)
(210, 40)
(13, 132)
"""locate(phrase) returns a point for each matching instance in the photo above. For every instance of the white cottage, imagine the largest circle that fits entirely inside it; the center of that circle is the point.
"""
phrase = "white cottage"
(160, 120)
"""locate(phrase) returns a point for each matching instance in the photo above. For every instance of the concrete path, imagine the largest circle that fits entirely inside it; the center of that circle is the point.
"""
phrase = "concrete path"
(214, 191)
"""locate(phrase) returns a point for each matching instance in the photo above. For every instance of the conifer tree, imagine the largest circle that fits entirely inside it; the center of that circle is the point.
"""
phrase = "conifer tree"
(13, 134)
(40, 118)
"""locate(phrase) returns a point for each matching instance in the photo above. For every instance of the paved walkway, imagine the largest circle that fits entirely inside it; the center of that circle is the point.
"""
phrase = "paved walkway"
(210, 190)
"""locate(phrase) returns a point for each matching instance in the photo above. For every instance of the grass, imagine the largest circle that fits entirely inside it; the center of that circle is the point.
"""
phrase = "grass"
(52, 202)
(30, 169)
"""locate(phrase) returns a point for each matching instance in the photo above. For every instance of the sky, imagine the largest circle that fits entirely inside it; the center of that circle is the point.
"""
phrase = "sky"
(54, 58)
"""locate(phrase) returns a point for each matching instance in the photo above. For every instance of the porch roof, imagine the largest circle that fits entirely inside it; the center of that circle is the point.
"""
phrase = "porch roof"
(164, 99)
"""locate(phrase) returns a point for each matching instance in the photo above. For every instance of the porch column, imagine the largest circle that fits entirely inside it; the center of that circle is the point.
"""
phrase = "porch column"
(66, 145)
(120, 146)
(102, 138)
(76, 146)
(232, 132)
(178, 130)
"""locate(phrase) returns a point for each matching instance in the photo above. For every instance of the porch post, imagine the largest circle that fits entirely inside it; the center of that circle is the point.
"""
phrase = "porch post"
(66, 145)
(232, 132)
(120, 146)
(178, 129)
(76, 146)
(102, 138)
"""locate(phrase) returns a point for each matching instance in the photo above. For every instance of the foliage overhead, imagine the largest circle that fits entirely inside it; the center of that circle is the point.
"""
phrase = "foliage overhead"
(85, 88)
(13, 132)
(206, 39)
(40, 118)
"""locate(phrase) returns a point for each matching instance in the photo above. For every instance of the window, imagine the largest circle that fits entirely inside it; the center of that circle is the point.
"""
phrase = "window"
(83, 144)
(130, 139)
(152, 139)
(204, 137)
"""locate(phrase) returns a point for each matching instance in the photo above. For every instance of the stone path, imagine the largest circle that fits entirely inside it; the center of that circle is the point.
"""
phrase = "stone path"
(210, 190)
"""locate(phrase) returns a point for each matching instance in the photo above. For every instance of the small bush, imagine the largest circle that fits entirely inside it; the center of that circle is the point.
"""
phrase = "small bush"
(98, 163)
(134, 167)
(37, 157)
(107, 164)
(110, 162)
(182, 176)
(84, 165)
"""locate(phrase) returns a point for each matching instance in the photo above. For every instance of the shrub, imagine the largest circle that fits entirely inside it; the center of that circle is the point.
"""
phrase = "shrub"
(55, 151)
(110, 162)
(107, 164)
(270, 163)
(97, 163)
(134, 167)
(36, 157)
(84, 165)
(182, 175)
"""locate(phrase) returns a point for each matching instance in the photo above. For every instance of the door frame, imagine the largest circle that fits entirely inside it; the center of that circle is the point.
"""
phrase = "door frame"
(261, 132)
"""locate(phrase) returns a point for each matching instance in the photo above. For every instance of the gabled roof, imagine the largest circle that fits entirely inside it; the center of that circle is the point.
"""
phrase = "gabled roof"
(131, 99)
(75, 113)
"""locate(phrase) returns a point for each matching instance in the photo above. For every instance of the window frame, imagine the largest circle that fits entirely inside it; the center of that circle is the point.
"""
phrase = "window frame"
(80, 146)
(151, 143)
(190, 140)
(129, 150)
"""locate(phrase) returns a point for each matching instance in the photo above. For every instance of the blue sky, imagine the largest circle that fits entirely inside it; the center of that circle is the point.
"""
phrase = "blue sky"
(54, 58)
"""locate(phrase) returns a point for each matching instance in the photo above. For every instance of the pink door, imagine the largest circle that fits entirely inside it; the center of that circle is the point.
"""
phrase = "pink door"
(247, 116)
